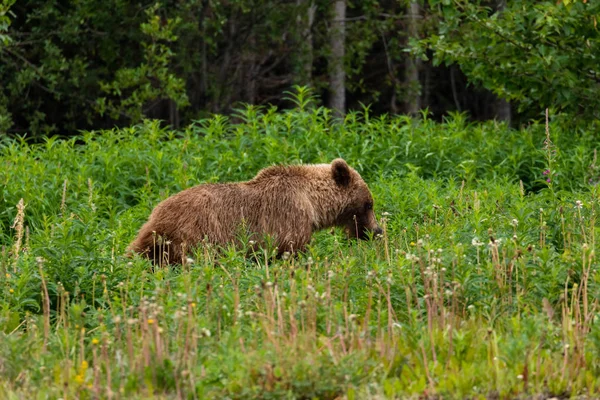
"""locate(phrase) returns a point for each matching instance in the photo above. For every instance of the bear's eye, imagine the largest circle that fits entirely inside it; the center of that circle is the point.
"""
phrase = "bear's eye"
(368, 206)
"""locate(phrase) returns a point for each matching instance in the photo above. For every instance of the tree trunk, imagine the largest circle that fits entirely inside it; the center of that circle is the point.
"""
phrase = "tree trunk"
(501, 106)
(337, 74)
(304, 55)
(413, 92)
(502, 110)
(173, 114)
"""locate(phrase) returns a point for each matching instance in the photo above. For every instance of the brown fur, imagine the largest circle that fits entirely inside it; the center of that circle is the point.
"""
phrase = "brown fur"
(287, 202)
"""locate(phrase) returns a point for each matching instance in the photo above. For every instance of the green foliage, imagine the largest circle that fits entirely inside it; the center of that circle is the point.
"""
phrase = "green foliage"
(538, 55)
(150, 81)
(5, 39)
(482, 285)
(58, 60)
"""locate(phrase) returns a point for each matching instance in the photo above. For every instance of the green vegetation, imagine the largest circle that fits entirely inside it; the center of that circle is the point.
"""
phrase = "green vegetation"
(485, 283)
(541, 53)
(103, 63)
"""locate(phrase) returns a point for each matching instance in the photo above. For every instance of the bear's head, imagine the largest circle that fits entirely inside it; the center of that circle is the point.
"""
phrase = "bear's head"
(357, 215)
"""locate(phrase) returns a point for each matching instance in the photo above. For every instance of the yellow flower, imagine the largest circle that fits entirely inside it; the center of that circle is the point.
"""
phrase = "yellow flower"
(150, 321)
(11, 290)
(193, 305)
(79, 378)
(95, 341)
(412, 243)
(8, 276)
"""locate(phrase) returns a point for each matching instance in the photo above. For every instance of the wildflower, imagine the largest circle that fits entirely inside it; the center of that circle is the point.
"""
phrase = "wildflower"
(204, 332)
(520, 377)
(475, 242)
(578, 204)
(412, 244)
(7, 276)
(190, 260)
(150, 321)
(11, 290)
(546, 172)
(95, 341)
(386, 214)
(285, 255)
(515, 222)
(548, 180)
(193, 305)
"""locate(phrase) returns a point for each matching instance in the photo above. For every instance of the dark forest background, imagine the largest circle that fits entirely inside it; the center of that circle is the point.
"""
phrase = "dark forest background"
(92, 64)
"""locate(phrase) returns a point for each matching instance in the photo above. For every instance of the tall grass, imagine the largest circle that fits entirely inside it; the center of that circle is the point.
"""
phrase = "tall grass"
(485, 283)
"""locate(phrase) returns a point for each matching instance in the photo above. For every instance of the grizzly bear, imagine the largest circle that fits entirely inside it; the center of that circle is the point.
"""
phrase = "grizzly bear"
(288, 203)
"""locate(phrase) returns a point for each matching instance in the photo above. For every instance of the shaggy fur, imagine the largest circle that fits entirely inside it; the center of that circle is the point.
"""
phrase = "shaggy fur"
(287, 202)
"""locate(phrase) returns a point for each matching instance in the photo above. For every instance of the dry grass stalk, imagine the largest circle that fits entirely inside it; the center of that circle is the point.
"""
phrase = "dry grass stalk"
(18, 227)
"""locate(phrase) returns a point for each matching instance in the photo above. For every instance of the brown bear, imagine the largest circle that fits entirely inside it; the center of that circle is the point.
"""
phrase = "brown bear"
(288, 203)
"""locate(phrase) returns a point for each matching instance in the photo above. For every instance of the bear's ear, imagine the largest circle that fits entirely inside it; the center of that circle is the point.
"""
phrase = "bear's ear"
(341, 172)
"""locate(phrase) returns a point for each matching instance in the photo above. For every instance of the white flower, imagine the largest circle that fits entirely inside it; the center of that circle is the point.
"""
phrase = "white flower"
(475, 242)
(204, 332)
(578, 204)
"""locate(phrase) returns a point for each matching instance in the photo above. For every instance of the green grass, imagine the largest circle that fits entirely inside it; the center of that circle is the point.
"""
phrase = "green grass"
(484, 285)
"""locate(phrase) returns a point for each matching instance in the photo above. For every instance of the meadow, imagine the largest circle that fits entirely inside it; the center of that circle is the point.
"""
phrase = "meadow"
(484, 284)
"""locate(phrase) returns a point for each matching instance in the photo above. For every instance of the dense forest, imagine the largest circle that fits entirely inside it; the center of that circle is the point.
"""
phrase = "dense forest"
(91, 64)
